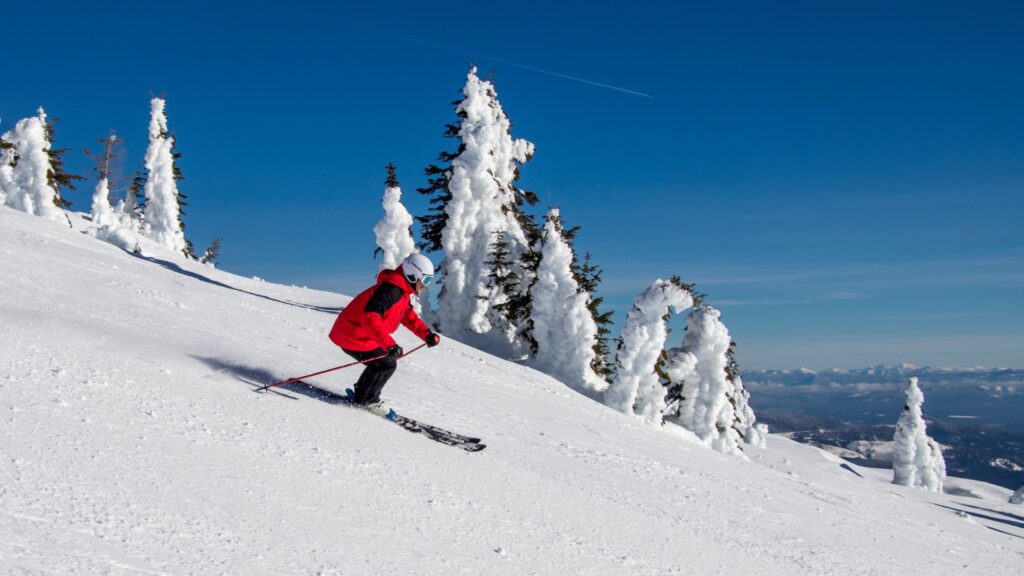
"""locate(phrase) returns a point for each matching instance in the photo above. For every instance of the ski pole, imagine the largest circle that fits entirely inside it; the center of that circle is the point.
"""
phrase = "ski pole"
(349, 365)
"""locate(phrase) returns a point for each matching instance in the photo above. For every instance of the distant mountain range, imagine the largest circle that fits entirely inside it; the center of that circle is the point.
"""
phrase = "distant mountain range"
(975, 412)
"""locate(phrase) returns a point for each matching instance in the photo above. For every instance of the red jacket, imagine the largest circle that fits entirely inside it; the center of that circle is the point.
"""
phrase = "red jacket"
(369, 320)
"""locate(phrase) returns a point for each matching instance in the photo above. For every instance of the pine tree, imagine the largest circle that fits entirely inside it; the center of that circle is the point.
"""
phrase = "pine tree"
(134, 204)
(637, 388)
(394, 231)
(58, 177)
(438, 177)
(706, 404)
(29, 176)
(179, 176)
(563, 327)
(515, 309)
(476, 196)
(102, 212)
(917, 459)
(212, 253)
(162, 216)
(589, 277)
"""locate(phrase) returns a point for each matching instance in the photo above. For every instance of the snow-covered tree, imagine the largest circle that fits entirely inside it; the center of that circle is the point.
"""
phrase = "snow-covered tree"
(131, 208)
(1018, 496)
(212, 253)
(475, 200)
(162, 215)
(103, 213)
(394, 231)
(7, 156)
(746, 421)
(563, 327)
(637, 388)
(589, 277)
(707, 399)
(917, 459)
(27, 185)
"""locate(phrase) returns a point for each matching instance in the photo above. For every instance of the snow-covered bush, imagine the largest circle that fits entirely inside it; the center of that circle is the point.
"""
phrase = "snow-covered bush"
(707, 399)
(1018, 496)
(637, 388)
(479, 201)
(563, 327)
(394, 231)
(26, 184)
(917, 459)
(162, 216)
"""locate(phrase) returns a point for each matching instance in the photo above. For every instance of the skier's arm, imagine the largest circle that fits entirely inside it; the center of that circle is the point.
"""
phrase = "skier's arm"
(412, 321)
(383, 298)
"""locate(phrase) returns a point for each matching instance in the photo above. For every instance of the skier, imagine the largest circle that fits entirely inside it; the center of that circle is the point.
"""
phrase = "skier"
(363, 329)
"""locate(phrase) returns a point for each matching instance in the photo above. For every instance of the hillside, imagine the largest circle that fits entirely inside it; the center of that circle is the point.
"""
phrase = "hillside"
(132, 443)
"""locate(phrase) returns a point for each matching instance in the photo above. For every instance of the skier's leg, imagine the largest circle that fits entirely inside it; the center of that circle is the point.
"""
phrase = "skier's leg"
(382, 371)
(374, 376)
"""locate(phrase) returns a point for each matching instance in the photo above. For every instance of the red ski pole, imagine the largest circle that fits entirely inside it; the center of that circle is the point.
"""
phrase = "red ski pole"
(349, 365)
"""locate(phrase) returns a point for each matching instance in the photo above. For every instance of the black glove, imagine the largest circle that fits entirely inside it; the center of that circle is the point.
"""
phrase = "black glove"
(395, 351)
(432, 340)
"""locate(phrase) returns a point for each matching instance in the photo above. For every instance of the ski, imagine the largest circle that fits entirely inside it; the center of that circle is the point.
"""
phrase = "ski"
(435, 433)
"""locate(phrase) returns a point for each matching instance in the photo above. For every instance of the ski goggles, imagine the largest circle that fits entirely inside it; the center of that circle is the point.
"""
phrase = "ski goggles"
(427, 278)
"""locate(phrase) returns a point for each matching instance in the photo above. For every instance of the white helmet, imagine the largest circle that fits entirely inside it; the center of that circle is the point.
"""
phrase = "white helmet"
(418, 267)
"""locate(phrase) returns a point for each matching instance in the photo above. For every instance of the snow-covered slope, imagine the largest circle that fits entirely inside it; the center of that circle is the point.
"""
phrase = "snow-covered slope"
(131, 442)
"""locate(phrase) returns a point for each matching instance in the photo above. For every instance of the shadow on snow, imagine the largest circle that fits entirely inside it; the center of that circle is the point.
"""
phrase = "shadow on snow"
(178, 269)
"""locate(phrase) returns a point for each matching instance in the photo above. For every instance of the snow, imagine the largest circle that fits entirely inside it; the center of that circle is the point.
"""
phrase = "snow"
(132, 443)
(102, 212)
(563, 327)
(161, 219)
(1018, 496)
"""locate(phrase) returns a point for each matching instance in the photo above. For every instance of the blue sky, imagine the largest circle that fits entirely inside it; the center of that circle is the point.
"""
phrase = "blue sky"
(845, 180)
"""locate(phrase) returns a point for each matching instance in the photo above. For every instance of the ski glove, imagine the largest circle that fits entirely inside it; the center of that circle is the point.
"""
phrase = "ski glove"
(395, 352)
(432, 340)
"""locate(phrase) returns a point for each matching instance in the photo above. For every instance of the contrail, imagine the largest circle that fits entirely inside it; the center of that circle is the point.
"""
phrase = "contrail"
(485, 57)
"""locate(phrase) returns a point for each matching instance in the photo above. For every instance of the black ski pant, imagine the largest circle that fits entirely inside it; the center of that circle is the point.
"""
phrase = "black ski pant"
(374, 376)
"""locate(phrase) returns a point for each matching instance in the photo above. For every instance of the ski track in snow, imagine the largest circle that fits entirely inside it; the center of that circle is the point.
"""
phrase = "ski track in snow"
(131, 443)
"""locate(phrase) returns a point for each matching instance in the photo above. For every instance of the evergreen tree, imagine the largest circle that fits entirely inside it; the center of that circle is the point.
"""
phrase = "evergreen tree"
(27, 175)
(162, 216)
(212, 253)
(8, 157)
(514, 310)
(706, 404)
(438, 177)
(476, 196)
(394, 231)
(102, 212)
(917, 459)
(133, 206)
(589, 277)
(637, 388)
(563, 328)
(179, 176)
(58, 177)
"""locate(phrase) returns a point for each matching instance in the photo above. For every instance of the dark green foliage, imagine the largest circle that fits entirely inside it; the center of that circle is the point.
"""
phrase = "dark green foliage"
(135, 195)
(589, 278)
(179, 176)
(212, 253)
(57, 177)
(438, 176)
(392, 179)
(518, 307)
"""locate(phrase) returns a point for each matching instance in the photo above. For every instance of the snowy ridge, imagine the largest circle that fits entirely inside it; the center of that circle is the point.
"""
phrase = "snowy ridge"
(132, 443)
